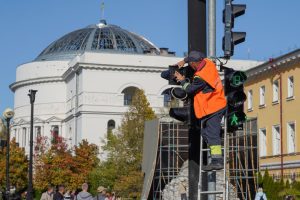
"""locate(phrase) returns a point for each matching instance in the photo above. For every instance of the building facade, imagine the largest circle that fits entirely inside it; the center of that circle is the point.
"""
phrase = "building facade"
(273, 95)
(85, 82)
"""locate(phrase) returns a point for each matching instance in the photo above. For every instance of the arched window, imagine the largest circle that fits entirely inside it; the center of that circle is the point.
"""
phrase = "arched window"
(169, 100)
(111, 124)
(167, 97)
(128, 95)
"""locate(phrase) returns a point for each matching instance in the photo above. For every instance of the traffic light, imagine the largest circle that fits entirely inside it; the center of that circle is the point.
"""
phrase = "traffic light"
(234, 91)
(180, 113)
(230, 12)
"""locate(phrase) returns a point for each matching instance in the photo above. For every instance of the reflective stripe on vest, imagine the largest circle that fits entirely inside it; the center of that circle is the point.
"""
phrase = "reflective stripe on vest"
(208, 103)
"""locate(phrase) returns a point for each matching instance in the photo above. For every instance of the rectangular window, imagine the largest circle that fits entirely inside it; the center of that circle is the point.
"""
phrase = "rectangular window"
(54, 133)
(275, 91)
(290, 86)
(291, 139)
(37, 131)
(262, 95)
(250, 100)
(276, 139)
(262, 142)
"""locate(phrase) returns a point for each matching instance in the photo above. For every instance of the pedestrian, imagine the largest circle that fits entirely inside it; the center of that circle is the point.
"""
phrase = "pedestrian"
(101, 193)
(209, 102)
(74, 194)
(48, 195)
(108, 196)
(260, 195)
(59, 195)
(84, 194)
(67, 195)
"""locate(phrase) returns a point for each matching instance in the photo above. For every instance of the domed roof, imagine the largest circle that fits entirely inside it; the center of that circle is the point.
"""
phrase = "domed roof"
(97, 38)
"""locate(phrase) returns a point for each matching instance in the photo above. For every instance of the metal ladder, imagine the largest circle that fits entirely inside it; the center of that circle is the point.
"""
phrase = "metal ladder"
(211, 195)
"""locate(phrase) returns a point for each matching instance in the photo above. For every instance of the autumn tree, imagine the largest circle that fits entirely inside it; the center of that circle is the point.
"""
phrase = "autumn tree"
(84, 160)
(124, 148)
(54, 166)
(18, 166)
(56, 163)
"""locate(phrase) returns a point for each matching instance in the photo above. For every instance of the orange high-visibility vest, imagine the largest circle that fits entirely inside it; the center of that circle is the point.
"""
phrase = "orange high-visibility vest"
(208, 103)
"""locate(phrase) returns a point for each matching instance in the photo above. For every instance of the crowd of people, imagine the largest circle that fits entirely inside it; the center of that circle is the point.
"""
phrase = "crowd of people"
(63, 194)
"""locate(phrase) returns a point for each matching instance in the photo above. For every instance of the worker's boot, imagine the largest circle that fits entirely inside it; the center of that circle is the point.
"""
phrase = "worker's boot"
(217, 162)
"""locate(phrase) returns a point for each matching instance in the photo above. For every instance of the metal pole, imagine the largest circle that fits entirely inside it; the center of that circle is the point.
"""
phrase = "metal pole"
(196, 42)
(211, 176)
(7, 159)
(211, 28)
(30, 185)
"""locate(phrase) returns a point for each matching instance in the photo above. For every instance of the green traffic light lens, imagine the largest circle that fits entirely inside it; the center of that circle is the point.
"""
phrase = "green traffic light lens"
(237, 118)
(238, 78)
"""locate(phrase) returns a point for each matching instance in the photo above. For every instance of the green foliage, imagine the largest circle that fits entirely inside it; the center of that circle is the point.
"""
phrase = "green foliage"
(276, 190)
(18, 166)
(122, 169)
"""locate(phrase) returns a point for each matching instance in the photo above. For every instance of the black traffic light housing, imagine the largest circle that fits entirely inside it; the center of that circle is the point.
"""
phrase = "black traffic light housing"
(231, 38)
(180, 113)
(234, 91)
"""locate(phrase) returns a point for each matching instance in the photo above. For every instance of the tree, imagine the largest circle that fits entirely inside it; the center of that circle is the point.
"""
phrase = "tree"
(85, 160)
(124, 149)
(18, 166)
(57, 164)
(54, 166)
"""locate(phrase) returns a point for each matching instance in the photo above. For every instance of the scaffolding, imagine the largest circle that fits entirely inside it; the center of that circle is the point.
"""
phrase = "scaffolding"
(172, 153)
(168, 149)
(243, 160)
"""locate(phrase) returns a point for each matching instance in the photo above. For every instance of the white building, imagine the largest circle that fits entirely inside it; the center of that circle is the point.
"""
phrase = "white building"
(85, 82)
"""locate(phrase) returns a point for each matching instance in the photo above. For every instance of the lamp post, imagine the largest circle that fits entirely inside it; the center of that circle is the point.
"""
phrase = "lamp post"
(30, 186)
(7, 114)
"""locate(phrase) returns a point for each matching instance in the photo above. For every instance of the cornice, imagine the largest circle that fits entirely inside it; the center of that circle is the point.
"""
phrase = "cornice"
(79, 113)
(32, 81)
(109, 67)
(276, 63)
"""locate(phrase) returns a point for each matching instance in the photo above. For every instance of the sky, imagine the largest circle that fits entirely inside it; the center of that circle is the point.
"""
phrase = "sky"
(27, 27)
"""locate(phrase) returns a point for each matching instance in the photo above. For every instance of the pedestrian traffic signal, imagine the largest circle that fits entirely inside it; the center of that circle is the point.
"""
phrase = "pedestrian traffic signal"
(230, 12)
(234, 91)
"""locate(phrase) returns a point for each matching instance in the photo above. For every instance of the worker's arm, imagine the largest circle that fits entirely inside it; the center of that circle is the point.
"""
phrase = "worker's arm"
(196, 86)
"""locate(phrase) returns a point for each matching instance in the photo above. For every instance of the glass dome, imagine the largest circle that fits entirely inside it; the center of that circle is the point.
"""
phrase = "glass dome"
(97, 38)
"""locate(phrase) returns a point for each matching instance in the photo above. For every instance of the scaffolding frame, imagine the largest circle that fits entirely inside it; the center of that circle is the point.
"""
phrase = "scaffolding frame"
(243, 160)
(171, 154)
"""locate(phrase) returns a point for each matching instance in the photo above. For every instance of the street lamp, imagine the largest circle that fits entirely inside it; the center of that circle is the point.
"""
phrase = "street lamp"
(30, 185)
(7, 114)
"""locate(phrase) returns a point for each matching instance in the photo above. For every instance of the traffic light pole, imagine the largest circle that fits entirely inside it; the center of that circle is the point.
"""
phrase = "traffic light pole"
(196, 42)
(211, 176)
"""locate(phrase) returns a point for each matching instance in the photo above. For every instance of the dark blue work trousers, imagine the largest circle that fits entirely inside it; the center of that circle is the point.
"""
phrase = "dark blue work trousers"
(211, 127)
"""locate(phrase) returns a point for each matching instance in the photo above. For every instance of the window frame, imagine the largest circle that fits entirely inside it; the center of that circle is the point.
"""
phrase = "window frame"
(250, 100)
(290, 90)
(275, 86)
(262, 95)
(274, 142)
(260, 142)
(288, 136)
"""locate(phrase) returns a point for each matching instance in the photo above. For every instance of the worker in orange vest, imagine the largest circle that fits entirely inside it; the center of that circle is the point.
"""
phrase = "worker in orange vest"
(209, 102)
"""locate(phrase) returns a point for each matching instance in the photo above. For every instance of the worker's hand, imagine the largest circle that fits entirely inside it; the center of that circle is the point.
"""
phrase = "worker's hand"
(181, 64)
(178, 76)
